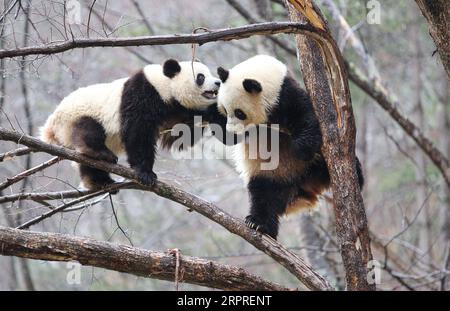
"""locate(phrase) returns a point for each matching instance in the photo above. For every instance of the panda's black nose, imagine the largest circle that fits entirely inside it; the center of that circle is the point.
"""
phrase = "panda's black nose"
(217, 83)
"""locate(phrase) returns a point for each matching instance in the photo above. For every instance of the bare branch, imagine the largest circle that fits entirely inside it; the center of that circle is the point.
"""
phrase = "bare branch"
(132, 260)
(15, 153)
(31, 171)
(199, 38)
(62, 207)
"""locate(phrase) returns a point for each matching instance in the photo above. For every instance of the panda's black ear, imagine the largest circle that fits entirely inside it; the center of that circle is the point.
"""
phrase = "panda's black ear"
(223, 74)
(171, 67)
(252, 86)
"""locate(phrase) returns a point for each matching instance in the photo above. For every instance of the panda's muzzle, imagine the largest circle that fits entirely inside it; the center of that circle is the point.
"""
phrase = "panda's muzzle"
(210, 94)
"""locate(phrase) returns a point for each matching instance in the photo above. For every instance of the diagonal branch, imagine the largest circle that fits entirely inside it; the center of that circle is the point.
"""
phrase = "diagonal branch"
(15, 153)
(296, 265)
(15, 179)
(132, 260)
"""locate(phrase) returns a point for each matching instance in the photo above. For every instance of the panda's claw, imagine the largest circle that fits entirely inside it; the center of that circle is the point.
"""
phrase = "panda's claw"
(252, 223)
(259, 226)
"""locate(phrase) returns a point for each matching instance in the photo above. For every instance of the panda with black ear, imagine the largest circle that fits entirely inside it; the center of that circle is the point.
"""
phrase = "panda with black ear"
(260, 91)
(127, 116)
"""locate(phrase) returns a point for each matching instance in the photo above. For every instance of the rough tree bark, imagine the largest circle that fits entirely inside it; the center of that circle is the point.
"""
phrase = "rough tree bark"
(132, 260)
(437, 13)
(325, 77)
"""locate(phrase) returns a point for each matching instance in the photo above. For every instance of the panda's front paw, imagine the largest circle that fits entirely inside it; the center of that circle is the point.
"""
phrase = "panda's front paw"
(108, 157)
(146, 178)
(256, 224)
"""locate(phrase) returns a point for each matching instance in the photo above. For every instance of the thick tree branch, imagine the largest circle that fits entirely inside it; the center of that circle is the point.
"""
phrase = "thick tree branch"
(325, 78)
(279, 253)
(132, 260)
(199, 38)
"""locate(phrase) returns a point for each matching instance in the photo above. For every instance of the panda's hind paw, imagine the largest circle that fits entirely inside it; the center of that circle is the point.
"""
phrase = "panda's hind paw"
(146, 178)
(254, 223)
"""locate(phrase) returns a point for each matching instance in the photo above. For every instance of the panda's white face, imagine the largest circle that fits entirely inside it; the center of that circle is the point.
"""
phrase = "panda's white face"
(194, 86)
(249, 91)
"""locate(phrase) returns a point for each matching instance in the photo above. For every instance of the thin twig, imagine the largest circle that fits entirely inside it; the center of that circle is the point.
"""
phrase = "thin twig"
(29, 172)
(15, 153)
(62, 207)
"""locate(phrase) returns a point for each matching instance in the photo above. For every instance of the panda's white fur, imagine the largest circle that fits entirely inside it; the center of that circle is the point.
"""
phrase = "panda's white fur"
(102, 102)
(269, 72)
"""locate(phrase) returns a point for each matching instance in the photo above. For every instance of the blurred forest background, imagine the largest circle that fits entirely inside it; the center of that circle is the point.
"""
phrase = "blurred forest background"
(406, 199)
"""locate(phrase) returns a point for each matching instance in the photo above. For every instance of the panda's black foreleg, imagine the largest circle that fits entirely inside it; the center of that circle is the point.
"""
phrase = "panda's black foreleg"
(268, 201)
(141, 113)
(140, 146)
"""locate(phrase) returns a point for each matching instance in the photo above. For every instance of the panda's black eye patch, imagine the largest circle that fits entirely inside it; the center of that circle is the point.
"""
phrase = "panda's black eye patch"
(200, 79)
(240, 114)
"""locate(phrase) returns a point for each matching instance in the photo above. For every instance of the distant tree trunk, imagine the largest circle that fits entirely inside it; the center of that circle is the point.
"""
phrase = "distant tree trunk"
(263, 8)
(24, 268)
(437, 13)
(445, 129)
(419, 157)
(326, 80)
(310, 237)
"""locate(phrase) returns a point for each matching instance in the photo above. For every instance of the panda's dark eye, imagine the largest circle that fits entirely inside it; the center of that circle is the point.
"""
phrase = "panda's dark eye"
(240, 114)
(200, 79)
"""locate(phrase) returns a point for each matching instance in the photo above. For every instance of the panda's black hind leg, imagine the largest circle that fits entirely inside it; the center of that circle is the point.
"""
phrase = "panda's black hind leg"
(268, 201)
(88, 138)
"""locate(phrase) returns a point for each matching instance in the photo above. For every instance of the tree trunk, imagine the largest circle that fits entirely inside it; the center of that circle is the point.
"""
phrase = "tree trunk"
(437, 13)
(326, 80)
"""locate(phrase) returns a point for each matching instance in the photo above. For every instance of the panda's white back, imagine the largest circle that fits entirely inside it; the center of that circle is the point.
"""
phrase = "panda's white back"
(99, 101)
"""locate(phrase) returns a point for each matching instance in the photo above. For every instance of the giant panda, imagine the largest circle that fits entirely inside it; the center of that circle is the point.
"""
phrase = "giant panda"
(260, 91)
(128, 115)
